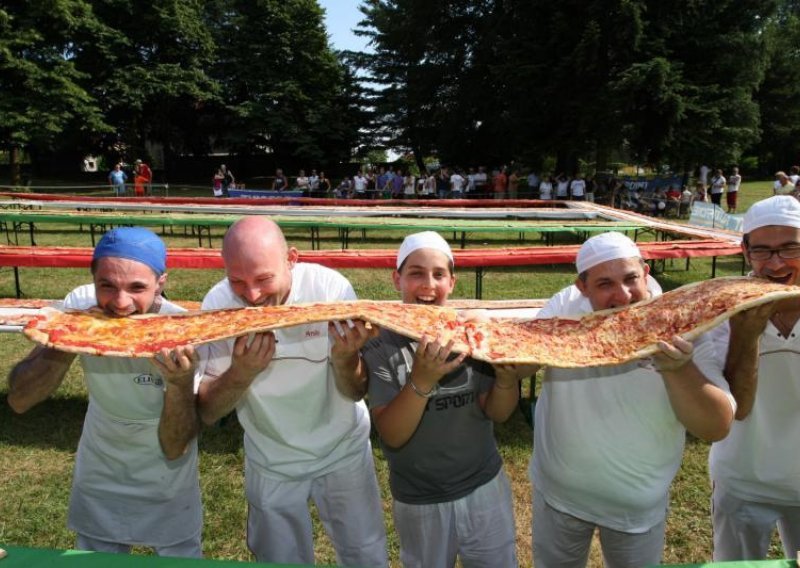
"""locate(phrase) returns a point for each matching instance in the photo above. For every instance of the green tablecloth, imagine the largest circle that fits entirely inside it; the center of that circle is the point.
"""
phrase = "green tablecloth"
(19, 557)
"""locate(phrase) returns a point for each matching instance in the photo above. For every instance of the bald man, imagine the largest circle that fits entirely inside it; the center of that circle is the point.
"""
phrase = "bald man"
(297, 393)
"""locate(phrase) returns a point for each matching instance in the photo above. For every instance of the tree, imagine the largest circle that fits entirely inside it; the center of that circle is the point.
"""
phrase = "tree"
(42, 92)
(149, 69)
(290, 95)
(779, 95)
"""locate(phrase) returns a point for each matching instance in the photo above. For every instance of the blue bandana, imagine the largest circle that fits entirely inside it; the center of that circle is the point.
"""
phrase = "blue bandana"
(134, 243)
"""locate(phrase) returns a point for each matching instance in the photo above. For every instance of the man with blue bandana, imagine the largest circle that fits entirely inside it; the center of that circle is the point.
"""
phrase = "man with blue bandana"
(135, 480)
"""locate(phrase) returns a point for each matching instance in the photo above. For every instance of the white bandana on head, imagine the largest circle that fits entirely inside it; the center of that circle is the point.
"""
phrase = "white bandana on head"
(425, 239)
(776, 210)
(604, 247)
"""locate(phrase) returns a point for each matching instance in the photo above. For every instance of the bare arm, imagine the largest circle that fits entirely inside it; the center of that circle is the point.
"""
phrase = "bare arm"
(36, 377)
(741, 362)
(218, 396)
(397, 421)
(703, 408)
(179, 422)
(349, 370)
(499, 403)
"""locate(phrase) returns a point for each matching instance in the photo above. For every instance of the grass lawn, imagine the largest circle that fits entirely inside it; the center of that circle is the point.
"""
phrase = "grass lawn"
(37, 449)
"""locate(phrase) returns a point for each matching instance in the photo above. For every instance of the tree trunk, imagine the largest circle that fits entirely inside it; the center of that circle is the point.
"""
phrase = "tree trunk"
(14, 165)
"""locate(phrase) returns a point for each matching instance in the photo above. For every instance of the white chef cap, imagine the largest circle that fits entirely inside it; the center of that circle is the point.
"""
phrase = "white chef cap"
(425, 239)
(605, 247)
(776, 210)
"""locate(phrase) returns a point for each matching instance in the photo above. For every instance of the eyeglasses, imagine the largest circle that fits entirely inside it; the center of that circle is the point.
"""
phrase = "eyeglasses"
(765, 254)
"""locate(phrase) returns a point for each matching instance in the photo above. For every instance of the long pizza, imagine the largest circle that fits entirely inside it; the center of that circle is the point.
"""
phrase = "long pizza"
(606, 337)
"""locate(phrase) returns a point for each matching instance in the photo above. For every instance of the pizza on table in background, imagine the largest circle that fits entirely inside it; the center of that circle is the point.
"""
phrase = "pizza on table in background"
(607, 337)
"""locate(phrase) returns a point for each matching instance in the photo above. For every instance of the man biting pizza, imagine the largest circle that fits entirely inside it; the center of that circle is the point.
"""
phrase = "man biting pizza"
(297, 393)
(756, 470)
(136, 478)
(609, 440)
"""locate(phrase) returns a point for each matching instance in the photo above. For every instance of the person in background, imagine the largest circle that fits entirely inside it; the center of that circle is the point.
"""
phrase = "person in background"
(117, 178)
(324, 185)
(500, 184)
(755, 471)
(434, 411)
(313, 184)
(216, 181)
(142, 179)
(298, 395)
(481, 184)
(783, 185)
(546, 188)
(533, 182)
(609, 440)
(718, 183)
(731, 197)
(136, 479)
(228, 181)
(281, 182)
(578, 188)
(513, 185)
(302, 183)
(687, 198)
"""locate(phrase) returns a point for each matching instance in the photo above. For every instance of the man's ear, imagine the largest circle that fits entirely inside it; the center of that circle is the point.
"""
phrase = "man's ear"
(292, 257)
(161, 283)
(396, 280)
(581, 285)
(744, 254)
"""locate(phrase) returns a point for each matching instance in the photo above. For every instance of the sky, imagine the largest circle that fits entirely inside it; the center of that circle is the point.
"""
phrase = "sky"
(341, 16)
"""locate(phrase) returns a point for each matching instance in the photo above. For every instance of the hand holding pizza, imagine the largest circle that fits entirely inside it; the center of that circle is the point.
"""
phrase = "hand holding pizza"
(431, 364)
(250, 357)
(753, 322)
(177, 366)
(673, 356)
(348, 340)
(505, 375)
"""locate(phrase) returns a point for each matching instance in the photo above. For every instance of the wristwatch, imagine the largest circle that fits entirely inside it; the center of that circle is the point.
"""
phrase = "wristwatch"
(430, 394)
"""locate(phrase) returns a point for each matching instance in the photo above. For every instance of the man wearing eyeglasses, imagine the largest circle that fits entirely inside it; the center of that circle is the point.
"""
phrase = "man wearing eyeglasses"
(755, 471)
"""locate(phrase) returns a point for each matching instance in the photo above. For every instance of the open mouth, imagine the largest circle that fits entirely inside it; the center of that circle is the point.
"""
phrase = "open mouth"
(786, 279)
(428, 300)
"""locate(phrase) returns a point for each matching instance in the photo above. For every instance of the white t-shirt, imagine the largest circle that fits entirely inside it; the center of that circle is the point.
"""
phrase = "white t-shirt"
(545, 190)
(297, 424)
(607, 443)
(734, 182)
(718, 184)
(360, 184)
(704, 171)
(578, 188)
(457, 182)
(562, 188)
(124, 489)
(758, 460)
(408, 185)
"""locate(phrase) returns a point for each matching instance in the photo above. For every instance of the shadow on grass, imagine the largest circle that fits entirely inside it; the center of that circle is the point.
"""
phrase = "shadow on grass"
(57, 422)
(54, 424)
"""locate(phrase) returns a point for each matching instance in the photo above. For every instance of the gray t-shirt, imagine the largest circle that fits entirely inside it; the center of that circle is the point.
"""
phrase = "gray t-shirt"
(453, 451)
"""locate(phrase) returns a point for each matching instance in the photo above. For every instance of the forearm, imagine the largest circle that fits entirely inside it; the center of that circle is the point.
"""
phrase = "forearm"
(218, 396)
(36, 377)
(704, 410)
(741, 370)
(179, 423)
(350, 375)
(501, 401)
(398, 420)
